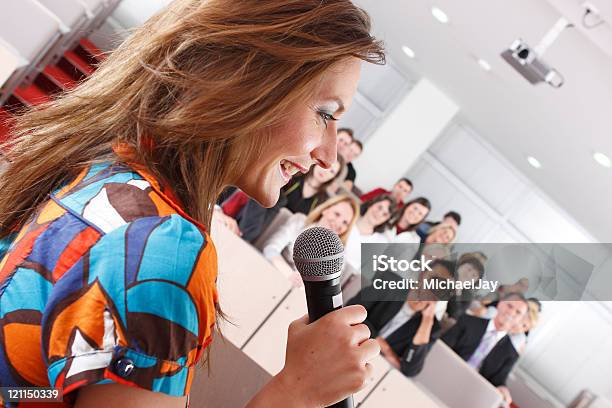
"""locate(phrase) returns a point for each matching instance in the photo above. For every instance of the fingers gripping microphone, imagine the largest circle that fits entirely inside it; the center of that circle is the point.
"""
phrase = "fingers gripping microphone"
(318, 254)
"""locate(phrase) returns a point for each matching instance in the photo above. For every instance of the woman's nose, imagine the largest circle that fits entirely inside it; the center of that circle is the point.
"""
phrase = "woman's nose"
(326, 153)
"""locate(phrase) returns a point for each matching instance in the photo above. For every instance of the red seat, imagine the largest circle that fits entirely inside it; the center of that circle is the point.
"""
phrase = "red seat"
(59, 77)
(31, 95)
(5, 125)
(88, 51)
(79, 63)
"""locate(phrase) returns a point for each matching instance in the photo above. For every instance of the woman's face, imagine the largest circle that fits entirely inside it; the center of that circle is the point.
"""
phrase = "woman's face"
(306, 137)
(337, 217)
(322, 176)
(467, 272)
(414, 214)
(523, 326)
(441, 236)
(378, 213)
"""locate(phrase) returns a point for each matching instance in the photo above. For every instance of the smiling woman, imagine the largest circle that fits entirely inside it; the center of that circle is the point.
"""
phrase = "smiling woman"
(108, 195)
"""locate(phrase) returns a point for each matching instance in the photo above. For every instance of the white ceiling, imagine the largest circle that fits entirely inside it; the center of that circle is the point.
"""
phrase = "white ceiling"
(560, 127)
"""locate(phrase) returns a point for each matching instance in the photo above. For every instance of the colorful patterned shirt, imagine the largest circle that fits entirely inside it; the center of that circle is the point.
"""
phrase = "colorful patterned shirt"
(110, 282)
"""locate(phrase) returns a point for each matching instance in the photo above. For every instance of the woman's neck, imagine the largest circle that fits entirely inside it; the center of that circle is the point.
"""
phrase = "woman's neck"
(311, 187)
(365, 227)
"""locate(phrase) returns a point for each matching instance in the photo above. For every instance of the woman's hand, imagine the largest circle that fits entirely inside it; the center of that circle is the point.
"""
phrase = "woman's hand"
(325, 361)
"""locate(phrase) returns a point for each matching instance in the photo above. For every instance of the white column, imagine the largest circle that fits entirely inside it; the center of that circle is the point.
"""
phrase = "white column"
(404, 135)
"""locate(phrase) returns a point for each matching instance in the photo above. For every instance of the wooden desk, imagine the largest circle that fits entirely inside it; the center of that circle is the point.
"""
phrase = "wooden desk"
(249, 286)
(268, 346)
(396, 390)
(455, 383)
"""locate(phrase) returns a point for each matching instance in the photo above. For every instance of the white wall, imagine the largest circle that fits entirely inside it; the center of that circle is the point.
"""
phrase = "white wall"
(406, 133)
(571, 346)
(462, 172)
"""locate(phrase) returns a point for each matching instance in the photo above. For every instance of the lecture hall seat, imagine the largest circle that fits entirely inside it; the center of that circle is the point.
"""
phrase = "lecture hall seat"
(43, 30)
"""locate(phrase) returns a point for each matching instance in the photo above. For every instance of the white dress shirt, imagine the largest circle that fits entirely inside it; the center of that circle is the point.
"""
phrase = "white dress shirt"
(487, 342)
(352, 249)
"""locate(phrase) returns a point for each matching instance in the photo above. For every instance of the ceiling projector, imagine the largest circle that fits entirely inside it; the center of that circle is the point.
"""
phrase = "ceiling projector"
(526, 61)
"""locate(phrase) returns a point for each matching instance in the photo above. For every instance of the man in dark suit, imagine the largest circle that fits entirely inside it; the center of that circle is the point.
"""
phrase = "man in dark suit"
(484, 343)
(405, 330)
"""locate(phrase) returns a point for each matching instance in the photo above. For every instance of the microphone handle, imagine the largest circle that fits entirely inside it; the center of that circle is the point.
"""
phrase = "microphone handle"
(322, 298)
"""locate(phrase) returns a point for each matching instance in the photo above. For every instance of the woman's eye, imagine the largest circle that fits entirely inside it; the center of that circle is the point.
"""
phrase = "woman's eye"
(326, 117)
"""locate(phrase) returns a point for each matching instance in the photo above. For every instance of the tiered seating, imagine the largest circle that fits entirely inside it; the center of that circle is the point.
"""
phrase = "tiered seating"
(51, 55)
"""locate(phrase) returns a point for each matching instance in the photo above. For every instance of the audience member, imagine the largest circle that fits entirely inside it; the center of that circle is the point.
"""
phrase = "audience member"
(400, 191)
(409, 218)
(469, 267)
(304, 193)
(484, 343)
(441, 234)
(451, 218)
(345, 137)
(405, 322)
(520, 332)
(405, 330)
(349, 153)
(369, 228)
(338, 214)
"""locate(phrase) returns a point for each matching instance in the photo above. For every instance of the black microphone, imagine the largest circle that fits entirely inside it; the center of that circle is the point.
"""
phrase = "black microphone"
(318, 255)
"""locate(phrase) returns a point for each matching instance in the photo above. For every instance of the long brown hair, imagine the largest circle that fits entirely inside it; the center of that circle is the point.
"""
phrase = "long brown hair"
(192, 92)
(316, 214)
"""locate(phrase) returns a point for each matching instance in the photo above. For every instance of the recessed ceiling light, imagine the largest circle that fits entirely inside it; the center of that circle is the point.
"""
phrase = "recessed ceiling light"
(484, 64)
(408, 51)
(534, 162)
(439, 15)
(602, 159)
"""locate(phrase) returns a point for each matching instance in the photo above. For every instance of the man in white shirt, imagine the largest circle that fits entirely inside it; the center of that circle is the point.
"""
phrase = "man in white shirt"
(484, 343)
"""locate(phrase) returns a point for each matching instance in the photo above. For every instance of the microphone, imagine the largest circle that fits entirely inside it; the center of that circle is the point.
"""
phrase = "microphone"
(318, 255)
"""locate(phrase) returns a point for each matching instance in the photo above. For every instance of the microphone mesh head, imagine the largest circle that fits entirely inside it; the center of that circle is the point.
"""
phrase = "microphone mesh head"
(318, 254)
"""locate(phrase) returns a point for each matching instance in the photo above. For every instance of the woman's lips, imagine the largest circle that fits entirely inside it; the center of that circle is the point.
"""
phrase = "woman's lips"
(289, 171)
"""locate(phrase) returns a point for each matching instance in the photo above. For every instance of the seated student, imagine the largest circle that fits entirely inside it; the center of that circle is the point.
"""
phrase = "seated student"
(484, 343)
(252, 218)
(451, 218)
(343, 142)
(350, 153)
(338, 214)
(406, 330)
(400, 191)
(441, 234)
(409, 219)
(520, 286)
(469, 267)
(520, 332)
(369, 228)
(345, 137)
(304, 193)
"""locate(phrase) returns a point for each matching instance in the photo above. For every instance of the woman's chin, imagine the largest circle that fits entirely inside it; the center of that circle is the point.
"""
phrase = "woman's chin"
(266, 199)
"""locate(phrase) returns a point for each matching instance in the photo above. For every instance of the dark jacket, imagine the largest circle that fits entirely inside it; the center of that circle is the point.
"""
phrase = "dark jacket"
(380, 312)
(464, 338)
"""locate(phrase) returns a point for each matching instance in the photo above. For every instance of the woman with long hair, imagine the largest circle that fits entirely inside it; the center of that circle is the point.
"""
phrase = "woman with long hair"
(338, 214)
(441, 234)
(109, 192)
(410, 217)
(370, 227)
